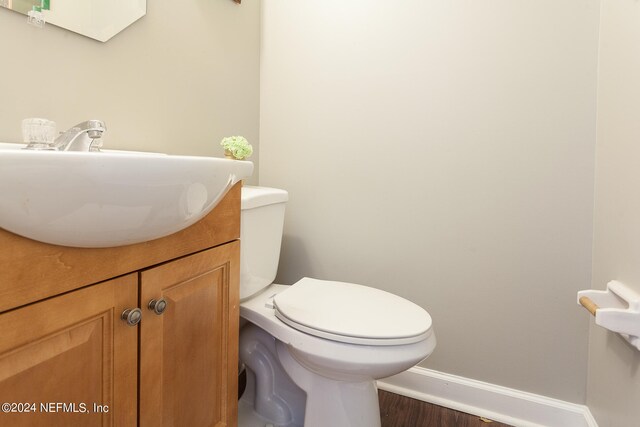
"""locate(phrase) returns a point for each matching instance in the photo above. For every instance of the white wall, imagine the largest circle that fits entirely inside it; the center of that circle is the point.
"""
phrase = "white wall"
(443, 150)
(614, 366)
(176, 81)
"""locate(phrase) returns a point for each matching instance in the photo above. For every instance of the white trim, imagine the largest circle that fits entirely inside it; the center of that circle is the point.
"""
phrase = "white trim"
(506, 405)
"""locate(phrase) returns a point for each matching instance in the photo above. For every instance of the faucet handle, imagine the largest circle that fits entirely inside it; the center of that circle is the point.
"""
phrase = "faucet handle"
(39, 134)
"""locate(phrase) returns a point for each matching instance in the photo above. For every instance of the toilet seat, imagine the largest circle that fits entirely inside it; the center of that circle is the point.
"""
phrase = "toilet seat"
(350, 313)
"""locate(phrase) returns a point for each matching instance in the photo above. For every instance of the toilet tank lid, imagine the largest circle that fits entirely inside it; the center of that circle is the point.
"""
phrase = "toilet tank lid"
(254, 197)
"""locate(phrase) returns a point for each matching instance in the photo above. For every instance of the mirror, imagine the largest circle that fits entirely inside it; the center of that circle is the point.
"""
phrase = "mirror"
(98, 19)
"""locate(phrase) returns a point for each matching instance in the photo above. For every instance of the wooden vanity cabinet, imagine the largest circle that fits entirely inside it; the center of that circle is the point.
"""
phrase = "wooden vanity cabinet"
(187, 367)
(74, 350)
(63, 340)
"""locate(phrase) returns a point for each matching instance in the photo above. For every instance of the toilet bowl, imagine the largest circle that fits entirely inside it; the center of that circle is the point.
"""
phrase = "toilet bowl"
(314, 349)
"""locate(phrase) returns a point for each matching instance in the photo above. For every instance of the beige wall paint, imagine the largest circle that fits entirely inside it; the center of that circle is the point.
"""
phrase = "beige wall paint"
(614, 366)
(446, 159)
(443, 151)
(176, 81)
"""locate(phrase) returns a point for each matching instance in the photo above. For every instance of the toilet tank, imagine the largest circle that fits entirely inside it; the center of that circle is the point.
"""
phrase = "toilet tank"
(261, 224)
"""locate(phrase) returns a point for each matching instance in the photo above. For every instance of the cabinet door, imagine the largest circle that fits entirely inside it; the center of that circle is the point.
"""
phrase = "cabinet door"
(71, 360)
(189, 353)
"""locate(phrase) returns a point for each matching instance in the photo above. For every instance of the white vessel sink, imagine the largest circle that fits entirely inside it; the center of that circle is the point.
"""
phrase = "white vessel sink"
(111, 198)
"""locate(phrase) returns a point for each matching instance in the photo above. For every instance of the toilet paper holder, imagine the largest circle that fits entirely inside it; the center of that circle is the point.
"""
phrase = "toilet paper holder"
(617, 308)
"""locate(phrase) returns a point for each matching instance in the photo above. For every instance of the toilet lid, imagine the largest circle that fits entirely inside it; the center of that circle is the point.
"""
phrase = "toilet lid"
(351, 313)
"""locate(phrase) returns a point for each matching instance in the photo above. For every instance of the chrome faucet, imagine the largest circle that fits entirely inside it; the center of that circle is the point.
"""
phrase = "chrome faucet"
(84, 136)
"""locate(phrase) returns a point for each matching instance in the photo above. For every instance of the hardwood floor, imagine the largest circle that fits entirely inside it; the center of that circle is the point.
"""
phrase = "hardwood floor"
(400, 411)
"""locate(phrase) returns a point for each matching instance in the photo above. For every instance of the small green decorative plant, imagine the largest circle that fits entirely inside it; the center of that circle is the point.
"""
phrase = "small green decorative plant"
(236, 147)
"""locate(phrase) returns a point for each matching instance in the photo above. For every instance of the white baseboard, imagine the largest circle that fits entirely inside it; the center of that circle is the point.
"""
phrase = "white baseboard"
(506, 405)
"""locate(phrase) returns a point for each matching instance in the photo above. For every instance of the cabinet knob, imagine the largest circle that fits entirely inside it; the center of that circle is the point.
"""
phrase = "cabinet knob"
(132, 316)
(158, 306)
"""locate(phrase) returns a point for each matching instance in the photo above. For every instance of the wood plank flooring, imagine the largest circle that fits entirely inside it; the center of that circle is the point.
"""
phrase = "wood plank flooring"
(400, 411)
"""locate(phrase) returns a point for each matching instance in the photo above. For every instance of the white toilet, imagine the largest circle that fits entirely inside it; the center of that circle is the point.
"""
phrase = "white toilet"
(313, 350)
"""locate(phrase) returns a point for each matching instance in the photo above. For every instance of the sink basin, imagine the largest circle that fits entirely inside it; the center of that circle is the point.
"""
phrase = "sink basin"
(112, 198)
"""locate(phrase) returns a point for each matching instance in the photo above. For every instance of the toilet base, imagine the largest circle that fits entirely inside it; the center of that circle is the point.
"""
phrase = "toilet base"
(282, 392)
(247, 417)
(270, 392)
(332, 402)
